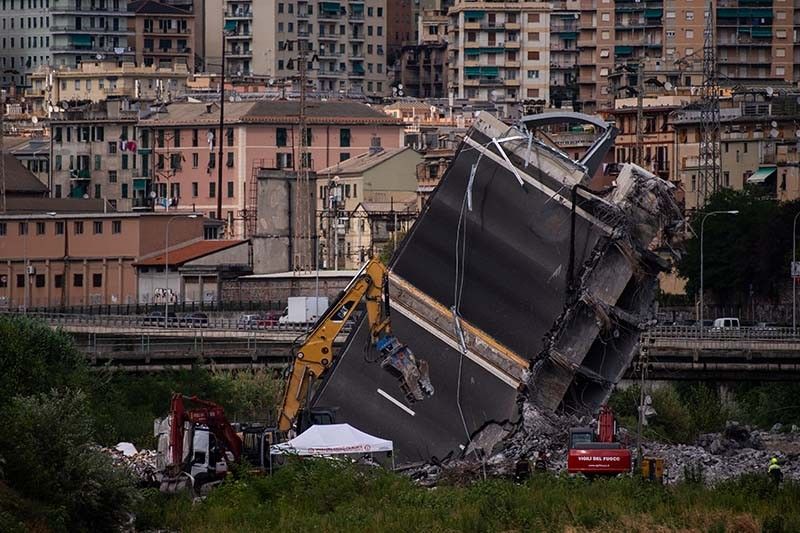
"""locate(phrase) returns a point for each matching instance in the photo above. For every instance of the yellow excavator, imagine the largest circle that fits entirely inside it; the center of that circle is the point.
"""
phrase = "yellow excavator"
(315, 355)
(195, 445)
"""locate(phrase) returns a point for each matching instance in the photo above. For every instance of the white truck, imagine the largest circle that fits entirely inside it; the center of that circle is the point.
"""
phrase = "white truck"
(304, 309)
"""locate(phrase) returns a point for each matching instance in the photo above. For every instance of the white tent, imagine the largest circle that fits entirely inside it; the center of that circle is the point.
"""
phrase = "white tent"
(332, 439)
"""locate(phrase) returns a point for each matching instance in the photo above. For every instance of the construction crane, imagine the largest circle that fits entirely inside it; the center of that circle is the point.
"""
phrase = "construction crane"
(709, 117)
(315, 355)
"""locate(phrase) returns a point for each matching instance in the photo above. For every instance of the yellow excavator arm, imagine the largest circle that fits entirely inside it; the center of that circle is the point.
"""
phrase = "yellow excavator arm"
(316, 355)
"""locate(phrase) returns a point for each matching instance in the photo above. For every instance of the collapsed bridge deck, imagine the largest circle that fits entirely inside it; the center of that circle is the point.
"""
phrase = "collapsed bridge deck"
(515, 278)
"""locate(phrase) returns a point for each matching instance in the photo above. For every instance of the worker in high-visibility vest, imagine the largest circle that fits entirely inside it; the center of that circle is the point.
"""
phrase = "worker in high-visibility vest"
(774, 471)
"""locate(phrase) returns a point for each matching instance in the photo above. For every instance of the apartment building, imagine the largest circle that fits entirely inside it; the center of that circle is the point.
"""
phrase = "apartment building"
(564, 25)
(500, 52)
(359, 197)
(346, 43)
(87, 30)
(758, 144)
(165, 34)
(70, 259)
(423, 65)
(24, 40)
(658, 134)
(96, 81)
(95, 153)
(262, 134)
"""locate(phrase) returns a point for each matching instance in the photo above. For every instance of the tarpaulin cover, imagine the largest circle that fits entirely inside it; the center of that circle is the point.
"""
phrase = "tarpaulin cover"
(333, 439)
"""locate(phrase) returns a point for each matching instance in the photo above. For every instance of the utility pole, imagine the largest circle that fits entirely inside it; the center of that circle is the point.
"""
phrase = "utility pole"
(2, 151)
(640, 424)
(709, 116)
(221, 129)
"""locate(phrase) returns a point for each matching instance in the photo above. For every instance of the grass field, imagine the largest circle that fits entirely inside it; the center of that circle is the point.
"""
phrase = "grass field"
(319, 496)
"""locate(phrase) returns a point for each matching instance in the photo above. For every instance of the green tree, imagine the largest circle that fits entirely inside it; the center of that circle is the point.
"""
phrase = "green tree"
(34, 358)
(49, 438)
(742, 253)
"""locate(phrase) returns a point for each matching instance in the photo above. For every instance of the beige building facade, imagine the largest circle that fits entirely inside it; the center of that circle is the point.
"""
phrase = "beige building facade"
(348, 40)
(758, 146)
(62, 260)
(500, 52)
(99, 80)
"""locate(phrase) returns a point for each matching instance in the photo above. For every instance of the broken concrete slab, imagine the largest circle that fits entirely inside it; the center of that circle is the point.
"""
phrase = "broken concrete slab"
(516, 281)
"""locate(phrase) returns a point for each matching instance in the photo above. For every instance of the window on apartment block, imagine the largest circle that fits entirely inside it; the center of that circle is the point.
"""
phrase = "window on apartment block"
(194, 137)
(195, 160)
(344, 137)
(230, 189)
(280, 137)
(176, 136)
(97, 191)
(229, 160)
(212, 189)
(285, 160)
(97, 280)
(229, 136)
(77, 280)
(160, 138)
(78, 227)
(309, 137)
(3, 229)
(59, 228)
(116, 226)
(124, 161)
(344, 156)
(40, 280)
(112, 148)
(98, 227)
(112, 176)
(124, 190)
(40, 228)
(23, 228)
(195, 189)
(533, 55)
(58, 281)
(20, 280)
(212, 160)
(175, 161)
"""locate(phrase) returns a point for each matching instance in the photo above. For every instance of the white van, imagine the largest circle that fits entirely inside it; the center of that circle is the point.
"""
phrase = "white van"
(726, 323)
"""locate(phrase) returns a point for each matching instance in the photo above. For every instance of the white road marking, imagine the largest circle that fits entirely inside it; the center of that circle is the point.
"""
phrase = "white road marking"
(395, 401)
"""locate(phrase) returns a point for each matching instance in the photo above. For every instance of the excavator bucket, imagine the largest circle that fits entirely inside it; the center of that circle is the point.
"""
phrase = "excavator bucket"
(413, 374)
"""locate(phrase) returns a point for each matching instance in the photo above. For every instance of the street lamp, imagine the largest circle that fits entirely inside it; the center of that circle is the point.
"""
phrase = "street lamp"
(702, 227)
(794, 282)
(166, 266)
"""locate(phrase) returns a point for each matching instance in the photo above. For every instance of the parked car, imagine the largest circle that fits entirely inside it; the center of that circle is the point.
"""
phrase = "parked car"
(728, 324)
(195, 320)
(270, 319)
(248, 321)
(156, 318)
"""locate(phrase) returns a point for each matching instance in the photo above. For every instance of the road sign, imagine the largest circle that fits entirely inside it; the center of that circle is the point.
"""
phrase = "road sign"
(796, 269)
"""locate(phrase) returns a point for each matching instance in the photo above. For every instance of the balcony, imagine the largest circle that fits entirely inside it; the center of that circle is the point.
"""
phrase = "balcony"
(239, 53)
(166, 31)
(511, 82)
(58, 7)
(239, 14)
(239, 35)
(71, 28)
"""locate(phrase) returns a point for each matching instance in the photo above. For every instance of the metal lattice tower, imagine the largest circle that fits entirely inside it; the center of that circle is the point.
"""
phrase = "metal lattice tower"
(709, 116)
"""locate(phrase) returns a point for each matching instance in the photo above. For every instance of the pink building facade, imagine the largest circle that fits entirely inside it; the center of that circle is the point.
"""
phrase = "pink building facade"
(262, 134)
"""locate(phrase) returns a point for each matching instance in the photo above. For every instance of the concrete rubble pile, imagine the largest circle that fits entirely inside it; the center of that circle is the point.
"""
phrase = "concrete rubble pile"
(735, 451)
(141, 463)
(516, 278)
